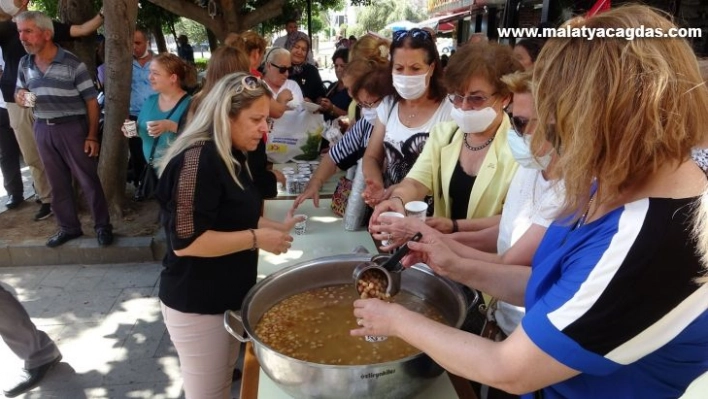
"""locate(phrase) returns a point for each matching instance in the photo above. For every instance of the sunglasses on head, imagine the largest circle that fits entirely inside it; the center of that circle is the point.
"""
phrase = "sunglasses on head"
(414, 33)
(250, 83)
(282, 69)
(520, 124)
(476, 101)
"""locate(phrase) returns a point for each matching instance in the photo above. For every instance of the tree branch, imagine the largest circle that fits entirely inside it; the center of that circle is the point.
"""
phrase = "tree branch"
(188, 9)
(269, 10)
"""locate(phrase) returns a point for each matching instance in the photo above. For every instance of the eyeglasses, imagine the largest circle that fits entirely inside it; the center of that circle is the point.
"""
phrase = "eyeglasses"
(520, 124)
(414, 33)
(373, 104)
(282, 69)
(475, 101)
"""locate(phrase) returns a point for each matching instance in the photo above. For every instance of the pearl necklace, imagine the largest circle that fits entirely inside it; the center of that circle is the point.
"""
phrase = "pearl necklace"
(479, 147)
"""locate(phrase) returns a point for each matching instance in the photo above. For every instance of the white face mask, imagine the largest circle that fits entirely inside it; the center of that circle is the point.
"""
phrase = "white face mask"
(521, 150)
(410, 87)
(473, 121)
(369, 114)
(9, 7)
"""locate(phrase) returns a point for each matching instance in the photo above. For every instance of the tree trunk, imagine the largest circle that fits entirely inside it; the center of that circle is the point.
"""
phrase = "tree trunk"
(113, 163)
(213, 43)
(159, 38)
(78, 12)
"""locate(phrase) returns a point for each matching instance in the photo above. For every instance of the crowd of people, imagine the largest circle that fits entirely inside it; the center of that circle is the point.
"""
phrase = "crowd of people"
(562, 179)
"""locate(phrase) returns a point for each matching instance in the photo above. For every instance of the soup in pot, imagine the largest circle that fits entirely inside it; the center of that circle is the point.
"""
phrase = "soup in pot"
(314, 326)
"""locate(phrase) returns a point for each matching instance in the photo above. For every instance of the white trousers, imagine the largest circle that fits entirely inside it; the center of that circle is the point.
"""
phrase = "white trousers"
(207, 353)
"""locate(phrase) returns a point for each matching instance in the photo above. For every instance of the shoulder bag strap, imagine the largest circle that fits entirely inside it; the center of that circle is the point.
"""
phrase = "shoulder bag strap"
(154, 143)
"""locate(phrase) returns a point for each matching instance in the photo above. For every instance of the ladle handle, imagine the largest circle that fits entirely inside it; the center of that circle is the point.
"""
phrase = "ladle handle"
(400, 253)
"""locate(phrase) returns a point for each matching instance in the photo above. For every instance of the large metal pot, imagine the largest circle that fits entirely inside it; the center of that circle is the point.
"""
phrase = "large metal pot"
(397, 379)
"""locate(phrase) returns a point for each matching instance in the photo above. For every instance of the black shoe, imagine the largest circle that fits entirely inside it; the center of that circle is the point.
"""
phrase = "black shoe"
(61, 237)
(31, 378)
(45, 211)
(13, 201)
(104, 237)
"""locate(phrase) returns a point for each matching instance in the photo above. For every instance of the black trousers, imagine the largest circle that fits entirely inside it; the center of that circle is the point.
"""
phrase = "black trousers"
(9, 157)
(136, 162)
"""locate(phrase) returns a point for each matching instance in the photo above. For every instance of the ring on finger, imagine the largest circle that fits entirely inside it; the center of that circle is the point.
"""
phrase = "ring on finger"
(360, 322)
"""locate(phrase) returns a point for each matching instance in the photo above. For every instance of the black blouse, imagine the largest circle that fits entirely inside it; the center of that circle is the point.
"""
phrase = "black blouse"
(460, 190)
(309, 81)
(196, 194)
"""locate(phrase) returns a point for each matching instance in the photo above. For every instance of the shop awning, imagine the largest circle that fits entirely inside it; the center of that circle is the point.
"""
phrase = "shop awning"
(443, 23)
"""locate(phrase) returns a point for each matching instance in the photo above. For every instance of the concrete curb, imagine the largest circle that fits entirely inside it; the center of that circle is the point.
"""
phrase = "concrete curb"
(83, 251)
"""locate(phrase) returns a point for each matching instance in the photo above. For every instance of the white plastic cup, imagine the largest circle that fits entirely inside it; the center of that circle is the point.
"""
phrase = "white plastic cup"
(29, 99)
(300, 227)
(150, 125)
(130, 128)
(417, 209)
(390, 214)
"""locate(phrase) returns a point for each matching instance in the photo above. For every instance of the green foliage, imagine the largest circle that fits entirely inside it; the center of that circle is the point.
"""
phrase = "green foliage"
(375, 18)
(194, 30)
(152, 15)
(201, 64)
(297, 9)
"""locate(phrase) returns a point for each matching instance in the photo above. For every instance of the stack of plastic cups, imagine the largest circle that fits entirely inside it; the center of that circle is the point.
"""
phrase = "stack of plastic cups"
(356, 207)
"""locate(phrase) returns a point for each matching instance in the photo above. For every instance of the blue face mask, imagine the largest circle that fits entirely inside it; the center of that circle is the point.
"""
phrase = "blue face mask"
(521, 150)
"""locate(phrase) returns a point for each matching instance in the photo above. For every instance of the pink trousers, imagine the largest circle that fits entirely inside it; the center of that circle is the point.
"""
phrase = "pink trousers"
(207, 353)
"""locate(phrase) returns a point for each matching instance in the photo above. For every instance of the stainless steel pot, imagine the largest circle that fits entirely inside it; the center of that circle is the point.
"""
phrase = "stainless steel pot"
(398, 379)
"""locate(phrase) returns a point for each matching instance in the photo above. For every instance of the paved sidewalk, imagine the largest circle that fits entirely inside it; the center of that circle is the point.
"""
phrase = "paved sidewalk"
(107, 323)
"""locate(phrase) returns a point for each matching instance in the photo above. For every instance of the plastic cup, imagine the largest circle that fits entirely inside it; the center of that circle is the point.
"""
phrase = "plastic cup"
(390, 214)
(130, 128)
(300, 227)
(29, 99)
(150, 125)
(417, 209)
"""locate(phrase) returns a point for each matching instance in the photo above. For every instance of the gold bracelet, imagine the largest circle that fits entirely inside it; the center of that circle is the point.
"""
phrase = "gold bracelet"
(400, 199)
(255, 240)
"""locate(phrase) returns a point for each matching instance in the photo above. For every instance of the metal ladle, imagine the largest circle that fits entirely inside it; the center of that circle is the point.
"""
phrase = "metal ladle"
(389, 267)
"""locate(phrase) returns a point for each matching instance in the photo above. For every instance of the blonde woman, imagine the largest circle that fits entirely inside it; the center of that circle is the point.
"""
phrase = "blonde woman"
(616, 297)
(210, 210)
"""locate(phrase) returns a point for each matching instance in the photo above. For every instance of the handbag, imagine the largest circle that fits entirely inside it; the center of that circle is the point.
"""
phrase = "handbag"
(148, 179)
(341, 196)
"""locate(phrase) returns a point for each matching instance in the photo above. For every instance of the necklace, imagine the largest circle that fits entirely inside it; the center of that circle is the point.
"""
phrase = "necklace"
(587, 213)
(479, 147)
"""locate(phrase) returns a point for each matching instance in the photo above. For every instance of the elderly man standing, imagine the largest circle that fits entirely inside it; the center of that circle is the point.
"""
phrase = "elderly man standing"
(21, 119)
(66, 125)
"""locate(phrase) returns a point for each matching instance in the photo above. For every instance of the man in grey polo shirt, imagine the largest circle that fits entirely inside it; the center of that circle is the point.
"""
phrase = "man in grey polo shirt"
(66, 125)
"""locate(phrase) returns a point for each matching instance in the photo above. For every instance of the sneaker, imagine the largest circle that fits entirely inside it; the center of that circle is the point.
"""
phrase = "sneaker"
(45, 211)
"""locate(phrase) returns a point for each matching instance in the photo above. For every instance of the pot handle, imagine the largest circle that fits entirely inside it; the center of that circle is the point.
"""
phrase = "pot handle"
(231, 314)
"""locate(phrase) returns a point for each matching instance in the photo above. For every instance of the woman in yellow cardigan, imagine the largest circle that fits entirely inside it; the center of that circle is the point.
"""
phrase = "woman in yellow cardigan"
(466, 164)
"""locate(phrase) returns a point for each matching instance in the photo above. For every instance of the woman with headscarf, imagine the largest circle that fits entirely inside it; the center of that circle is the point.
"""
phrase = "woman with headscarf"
(305, 75)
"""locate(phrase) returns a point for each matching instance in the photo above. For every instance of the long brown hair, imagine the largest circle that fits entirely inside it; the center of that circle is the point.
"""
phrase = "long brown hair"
(224, 60)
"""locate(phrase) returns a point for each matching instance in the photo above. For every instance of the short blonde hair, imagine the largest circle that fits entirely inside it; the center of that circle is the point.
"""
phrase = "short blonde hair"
(518, 82)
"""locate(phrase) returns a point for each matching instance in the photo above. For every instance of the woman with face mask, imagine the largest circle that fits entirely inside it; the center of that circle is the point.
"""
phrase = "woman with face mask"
(405, 119)
(368, 83)
(466, 164)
